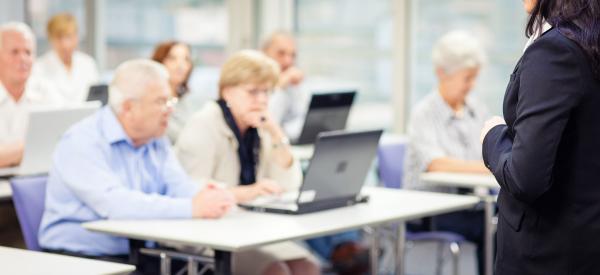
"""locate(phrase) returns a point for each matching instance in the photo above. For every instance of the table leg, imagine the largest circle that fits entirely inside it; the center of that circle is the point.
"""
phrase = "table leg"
(222, 262)
(134, 251)
(399, 246)
(165, 264)
(489, 235)
(374, 253)
(192, 266)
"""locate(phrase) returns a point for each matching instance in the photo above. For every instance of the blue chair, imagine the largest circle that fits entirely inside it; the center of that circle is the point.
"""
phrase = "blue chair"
(390, 158)
(29, 196)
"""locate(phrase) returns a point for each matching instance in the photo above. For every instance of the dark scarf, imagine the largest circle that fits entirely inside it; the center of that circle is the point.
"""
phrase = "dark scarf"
(249, 146)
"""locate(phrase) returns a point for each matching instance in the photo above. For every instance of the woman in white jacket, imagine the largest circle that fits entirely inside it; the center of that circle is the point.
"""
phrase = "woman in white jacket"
(69, 71)
(234, 141)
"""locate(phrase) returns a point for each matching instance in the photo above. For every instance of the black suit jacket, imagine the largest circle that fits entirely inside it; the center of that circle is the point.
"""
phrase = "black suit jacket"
(547, 160)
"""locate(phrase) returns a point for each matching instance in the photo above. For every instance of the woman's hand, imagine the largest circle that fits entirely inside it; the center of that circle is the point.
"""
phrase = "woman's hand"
(263, 120)
(263, 187)
(489, 124)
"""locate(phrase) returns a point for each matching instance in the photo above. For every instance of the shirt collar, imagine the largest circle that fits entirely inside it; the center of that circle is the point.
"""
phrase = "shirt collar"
(217, 114)
(112, 128)
(546, 27)
(447, 112)
(27, 95)
(3, 94)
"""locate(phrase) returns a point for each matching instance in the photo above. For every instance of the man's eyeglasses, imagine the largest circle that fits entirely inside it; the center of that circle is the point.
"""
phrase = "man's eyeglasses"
(167, 104)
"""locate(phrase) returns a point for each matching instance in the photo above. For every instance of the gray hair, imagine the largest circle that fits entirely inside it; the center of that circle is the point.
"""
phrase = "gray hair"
(17, 27)
(131, 80)
(267, 41)
(458, 50)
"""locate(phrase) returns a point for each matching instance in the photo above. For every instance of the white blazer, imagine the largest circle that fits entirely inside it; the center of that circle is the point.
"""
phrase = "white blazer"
(72, 86)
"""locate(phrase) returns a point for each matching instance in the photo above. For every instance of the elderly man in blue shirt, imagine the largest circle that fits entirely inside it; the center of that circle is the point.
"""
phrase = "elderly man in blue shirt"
(117, 164)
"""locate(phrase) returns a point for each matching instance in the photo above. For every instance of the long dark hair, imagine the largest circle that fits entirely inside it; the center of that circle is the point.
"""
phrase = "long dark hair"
(578, 20)
(160, 54)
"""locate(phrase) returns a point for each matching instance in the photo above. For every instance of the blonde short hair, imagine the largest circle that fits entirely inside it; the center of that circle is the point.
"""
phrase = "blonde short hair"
(61, 24)
(249, 66)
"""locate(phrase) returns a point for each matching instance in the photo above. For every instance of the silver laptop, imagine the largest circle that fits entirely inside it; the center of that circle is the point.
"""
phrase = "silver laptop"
(45, 128)
(334, 178)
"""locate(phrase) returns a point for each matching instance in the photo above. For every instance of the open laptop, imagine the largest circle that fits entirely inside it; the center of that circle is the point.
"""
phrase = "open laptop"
(326, 112)
(45, 128)
(99, 93)
(334, 177)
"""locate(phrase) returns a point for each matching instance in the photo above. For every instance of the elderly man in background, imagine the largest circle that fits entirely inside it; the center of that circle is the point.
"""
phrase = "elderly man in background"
(18, 92)
(289, 101)
(288, 106)
(117, 164)
(444, 130)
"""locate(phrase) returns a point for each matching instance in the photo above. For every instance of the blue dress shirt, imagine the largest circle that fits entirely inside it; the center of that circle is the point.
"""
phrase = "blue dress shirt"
(98, 174)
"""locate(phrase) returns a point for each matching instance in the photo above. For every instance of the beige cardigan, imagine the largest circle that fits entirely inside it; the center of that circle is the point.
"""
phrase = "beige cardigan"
(207, 150)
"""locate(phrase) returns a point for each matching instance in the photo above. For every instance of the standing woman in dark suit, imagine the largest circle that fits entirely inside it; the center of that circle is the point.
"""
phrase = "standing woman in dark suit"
(547, 155)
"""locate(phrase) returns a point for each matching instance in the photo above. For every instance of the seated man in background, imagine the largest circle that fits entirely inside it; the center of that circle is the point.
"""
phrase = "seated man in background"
(235, 141)
(289, 101)
(289, 104)
(70, 71)
(18, 91)
(117, 164)
(444, 130)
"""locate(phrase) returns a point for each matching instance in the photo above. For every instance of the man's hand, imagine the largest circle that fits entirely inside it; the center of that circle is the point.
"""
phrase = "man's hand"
(290, 77)
(212, 202)
(11, 154)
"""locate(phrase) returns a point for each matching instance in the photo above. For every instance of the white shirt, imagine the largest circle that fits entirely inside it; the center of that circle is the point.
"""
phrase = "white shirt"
(14, 115)
(288, 107)
(532, 39)
(436, 131)
(73, 85)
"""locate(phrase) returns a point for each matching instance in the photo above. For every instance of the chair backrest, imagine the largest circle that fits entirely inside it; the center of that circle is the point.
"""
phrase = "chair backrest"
(390, 160)
(29, 196)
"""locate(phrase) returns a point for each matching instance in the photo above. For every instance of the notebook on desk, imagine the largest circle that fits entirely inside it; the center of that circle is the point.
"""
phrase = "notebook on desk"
(45, 128)
(334, 178)
(326, 112)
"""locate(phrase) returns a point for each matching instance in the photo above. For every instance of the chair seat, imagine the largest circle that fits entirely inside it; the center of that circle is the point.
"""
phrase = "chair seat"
(443, 236)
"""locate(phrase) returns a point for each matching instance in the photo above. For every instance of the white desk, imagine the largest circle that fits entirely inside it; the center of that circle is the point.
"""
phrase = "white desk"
(5, 191)
(473, 181)
(242, 230)
(26, 262)
(460, 180)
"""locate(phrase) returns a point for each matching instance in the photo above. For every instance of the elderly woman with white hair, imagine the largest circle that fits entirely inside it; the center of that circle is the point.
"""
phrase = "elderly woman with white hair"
(444, 129)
